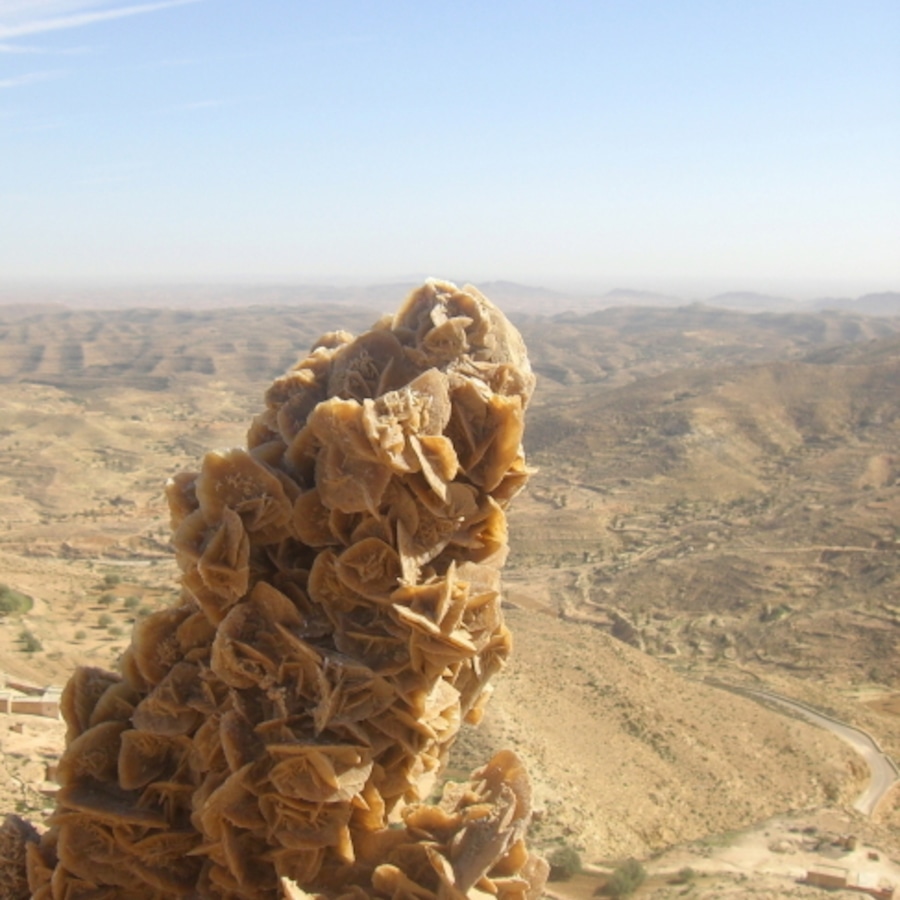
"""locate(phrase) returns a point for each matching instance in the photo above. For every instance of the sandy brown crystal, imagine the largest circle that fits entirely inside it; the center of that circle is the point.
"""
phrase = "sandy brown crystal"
(339, 619)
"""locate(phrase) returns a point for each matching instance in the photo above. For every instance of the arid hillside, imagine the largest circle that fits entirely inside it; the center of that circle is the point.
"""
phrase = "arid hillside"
(746, 514)
(150, 349)
(715, 489)
(618, 345)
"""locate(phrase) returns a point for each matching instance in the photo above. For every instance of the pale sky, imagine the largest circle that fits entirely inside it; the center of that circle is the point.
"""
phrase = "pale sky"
(651, 144)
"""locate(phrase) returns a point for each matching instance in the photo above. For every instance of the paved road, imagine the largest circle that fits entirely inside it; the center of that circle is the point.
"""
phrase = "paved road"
(884, 773)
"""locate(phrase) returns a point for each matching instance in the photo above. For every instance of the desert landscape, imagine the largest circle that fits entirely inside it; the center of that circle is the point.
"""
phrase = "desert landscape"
(716, 508)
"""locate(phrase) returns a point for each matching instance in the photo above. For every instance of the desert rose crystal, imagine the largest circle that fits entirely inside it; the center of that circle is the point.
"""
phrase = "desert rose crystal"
(339, 619)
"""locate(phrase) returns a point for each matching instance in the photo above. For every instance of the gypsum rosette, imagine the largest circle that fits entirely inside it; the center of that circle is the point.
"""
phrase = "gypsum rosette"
(278, 730)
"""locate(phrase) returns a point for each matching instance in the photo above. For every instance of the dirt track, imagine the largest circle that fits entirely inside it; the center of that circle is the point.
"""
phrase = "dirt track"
(884, 773)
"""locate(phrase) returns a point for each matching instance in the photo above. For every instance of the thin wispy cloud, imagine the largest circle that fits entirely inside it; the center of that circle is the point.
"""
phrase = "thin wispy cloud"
(29, 25)
(22, 50)
(28, 78)
(168, 62)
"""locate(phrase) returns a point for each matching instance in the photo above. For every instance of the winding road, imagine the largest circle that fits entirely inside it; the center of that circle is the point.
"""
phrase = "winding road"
(883, 770)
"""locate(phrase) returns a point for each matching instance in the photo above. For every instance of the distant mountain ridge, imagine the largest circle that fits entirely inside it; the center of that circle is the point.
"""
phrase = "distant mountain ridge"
(510, 295)
(886, 303)
(750, 301)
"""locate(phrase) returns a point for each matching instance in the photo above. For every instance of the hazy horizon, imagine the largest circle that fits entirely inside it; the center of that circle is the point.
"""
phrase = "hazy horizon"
(551, 296)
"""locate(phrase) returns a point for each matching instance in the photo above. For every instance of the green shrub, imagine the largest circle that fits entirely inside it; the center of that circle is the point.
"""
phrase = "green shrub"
(80, 635)
(111, 580)
(107, 599)
(685, 876)
(625, 879)
(564, 863)
(105, 620)
(13, 602)
(115, 631)
(132, 602)
(31, 643)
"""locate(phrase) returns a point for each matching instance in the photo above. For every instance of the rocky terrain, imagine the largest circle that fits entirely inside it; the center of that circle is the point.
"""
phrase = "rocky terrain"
(717, 496)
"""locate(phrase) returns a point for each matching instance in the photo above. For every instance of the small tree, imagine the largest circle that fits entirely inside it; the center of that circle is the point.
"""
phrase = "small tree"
(13, 601)
(625, 879)
(564, 863)
(31, 643)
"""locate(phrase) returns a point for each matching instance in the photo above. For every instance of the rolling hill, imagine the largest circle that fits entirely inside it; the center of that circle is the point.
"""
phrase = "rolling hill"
(717, 495)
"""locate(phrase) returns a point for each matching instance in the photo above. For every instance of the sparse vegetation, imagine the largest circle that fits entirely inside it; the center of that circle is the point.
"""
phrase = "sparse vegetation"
(105, 620)
(111, 579)
(625, 879)
(684, 876)
(771, 613)
(132, 602)
(80, 635)
(13, 602)
(107, 599)
(565, 861)
(31, 643)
